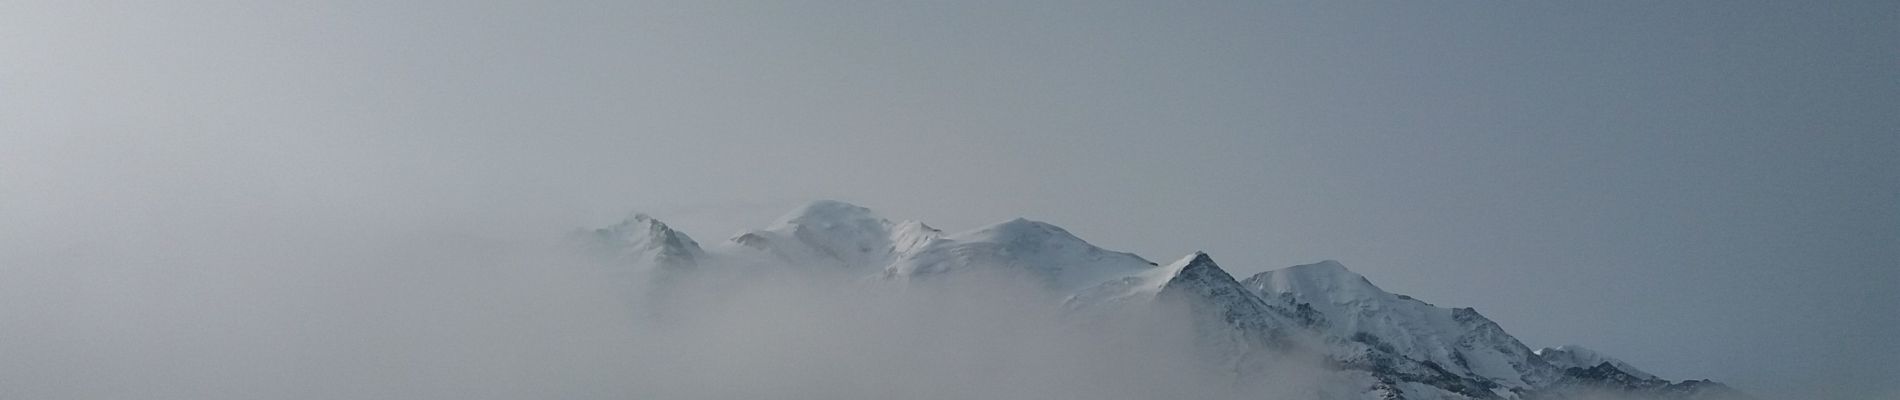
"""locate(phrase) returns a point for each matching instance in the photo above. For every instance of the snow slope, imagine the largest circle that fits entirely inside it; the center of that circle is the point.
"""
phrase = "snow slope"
(643, 243)
(1199, 283)
(1042, 251)
(1573, 356)
(837, 234)
(1380, 345)
(1459, 341)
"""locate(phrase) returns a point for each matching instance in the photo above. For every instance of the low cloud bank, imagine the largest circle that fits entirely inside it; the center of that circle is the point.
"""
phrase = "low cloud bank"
(450, 317)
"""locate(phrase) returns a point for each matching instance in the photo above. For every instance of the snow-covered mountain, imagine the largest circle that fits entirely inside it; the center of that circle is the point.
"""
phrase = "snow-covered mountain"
(1378, 345)
(1377, 324)
(1574, 356)
(1236, 330)
(831, 233)
(642, 243)
(1041, 251)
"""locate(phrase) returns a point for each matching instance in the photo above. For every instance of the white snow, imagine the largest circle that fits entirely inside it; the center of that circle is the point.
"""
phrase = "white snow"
(1355, 318)
(644, 243)
(1355, 308)
(1064, 262)
(860, 242)
(1573, 356)
(853, 239)
(1146, 283)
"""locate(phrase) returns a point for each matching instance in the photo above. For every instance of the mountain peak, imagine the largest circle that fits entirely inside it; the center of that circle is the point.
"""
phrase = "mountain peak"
(1328, 270)
(1199, 257)
(1194, 269)
(1207, 287)
(642, 238)
(639, 221)
(1328, 266)
(1392, 340)
(826, 212)
(1042, 250)
(914, 225)
(908, 236)
(640, 227)
(1021, 231)
(1574, 356)
(1195, 263)
(1460, 342)
(1020, 224)
(1328, 278)
(827, 232)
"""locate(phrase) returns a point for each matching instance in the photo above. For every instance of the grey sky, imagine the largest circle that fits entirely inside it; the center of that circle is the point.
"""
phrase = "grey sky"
(1705, 189)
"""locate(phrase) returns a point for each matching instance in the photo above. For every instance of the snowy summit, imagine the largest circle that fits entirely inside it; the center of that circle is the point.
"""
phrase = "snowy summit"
(1378, 345)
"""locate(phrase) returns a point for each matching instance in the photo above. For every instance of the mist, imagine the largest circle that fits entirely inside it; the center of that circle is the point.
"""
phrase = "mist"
(323, 315)
(273, 199)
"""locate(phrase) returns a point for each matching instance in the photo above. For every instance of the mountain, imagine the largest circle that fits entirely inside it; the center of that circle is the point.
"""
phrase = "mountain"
(1376, 344)
(1199, 283)
(831, 233)
(1573, 356)
(643, 243)
(1047, 253)
(1585, 374)
(1234, 330)
(1379, 324)
(855, 240)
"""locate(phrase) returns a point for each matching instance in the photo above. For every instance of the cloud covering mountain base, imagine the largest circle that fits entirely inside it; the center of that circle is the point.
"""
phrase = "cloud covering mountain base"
(996, 313)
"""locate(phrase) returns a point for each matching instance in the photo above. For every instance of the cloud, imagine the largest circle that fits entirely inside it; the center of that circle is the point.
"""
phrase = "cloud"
(425, 316)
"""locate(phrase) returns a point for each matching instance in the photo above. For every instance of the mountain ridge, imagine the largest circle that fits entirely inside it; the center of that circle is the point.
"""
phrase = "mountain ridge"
(1388, 345)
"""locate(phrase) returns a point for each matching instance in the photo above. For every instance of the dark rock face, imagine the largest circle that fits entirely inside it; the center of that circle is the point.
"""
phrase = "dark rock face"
(1265, 322)
(1607, 380)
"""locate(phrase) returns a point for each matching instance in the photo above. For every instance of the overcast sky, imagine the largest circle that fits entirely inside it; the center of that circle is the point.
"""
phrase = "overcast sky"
(1704, 189)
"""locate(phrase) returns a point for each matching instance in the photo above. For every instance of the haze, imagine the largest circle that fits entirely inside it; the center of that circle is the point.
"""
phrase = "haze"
(1703, 189)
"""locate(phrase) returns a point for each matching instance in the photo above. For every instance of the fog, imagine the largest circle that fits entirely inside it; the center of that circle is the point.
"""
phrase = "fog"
(371, 314)
(232, 197)
(325, 315)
